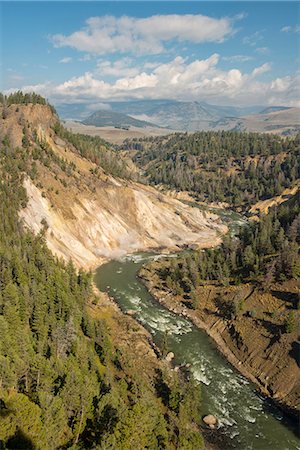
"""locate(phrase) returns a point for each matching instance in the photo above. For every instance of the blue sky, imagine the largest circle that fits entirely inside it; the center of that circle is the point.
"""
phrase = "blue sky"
(221, 52)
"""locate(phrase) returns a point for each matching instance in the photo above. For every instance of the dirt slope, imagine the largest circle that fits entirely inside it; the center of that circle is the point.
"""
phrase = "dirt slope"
(90, 215)
(254, 341)
(263, 206)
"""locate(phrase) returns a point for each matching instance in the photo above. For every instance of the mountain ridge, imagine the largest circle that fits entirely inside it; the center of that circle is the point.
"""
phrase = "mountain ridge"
(104, 118)
(197, 116)
(117, 215)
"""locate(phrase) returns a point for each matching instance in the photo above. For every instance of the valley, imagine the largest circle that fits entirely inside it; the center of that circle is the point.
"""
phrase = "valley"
(116, 135)
(92, 216)
(91, 203)
(149, 225)
(246, 418)
(137, 116)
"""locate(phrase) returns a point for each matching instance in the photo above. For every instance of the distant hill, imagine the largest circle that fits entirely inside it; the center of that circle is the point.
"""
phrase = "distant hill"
(271, 109)
(188, 116)
(284, 121)
(158, 110)
(151, 107)
(116, 119)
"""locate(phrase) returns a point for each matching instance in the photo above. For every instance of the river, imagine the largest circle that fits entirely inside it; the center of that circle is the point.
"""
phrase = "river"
(250, 420)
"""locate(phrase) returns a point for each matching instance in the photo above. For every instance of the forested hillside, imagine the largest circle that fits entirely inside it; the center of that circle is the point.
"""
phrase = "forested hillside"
(65, 380)
(262, 253)
(87, 193)
(246, 295)
(237, 168)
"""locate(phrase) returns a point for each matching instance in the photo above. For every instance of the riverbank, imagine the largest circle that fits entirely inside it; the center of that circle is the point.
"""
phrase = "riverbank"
(134, 338)
(246, 419)
(274, 372)
(138, 341)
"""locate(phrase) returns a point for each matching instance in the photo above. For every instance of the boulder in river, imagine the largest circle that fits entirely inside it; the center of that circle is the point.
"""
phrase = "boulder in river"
(170, 356)
(210, 420)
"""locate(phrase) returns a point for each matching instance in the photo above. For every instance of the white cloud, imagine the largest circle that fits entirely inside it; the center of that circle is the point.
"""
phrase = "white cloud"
(262, 50)
(237, 58)
(181, 80)
(66, 60)
(253, 39)
(108, 34)
(289, 29)
(151, 65)
(261, 69)
(121, 67)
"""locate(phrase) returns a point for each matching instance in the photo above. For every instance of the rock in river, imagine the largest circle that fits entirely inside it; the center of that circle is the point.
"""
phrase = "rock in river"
(170, 356)
(210, 420)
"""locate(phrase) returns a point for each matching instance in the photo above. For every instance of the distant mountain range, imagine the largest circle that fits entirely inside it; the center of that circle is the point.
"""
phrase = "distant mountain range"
(283, 121)
(116, 119)
(187, 116)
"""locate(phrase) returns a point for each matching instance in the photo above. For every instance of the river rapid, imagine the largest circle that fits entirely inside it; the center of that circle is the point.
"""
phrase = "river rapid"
(251, 421)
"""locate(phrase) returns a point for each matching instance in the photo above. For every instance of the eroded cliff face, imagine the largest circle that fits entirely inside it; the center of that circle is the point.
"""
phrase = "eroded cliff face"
(89, 214)
(117, 220)
(254, 341)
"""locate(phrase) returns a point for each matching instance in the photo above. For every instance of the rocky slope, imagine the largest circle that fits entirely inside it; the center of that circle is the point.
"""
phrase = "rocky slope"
(254, 341)
(89, 215)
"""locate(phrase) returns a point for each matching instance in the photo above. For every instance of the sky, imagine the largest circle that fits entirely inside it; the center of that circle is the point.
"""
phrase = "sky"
(227, 53)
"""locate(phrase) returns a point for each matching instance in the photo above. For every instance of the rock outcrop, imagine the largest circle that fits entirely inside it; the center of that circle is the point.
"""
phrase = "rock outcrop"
(256, 346)
(87, 214)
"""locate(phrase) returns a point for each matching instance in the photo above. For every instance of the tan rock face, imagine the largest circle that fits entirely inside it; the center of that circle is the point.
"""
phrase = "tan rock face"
(170, 356)
(22, 115)
(91, 215)
(119, 220)
(256, 345)
(210, 420)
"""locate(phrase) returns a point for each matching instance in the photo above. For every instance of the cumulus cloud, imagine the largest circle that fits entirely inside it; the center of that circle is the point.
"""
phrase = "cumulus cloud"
(121, 67)
(108, 34)
(201, 79)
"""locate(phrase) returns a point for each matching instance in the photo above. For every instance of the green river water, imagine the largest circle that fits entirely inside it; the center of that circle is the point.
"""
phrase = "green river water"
(250, 420)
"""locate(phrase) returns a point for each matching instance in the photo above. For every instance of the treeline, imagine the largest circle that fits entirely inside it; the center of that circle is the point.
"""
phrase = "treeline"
(239, 168)
(262, 252)
(92, 148)
(20, 98)
(96, 150)
(63, 382)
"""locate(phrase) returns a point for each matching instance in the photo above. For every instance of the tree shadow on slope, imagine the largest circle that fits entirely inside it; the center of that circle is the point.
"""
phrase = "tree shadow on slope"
(289, 297)
(20, 441)
(295, 352)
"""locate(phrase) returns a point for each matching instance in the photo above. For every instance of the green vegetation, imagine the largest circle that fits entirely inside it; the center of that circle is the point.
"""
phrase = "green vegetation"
(19, 98)
(96, 150)
(64, 383)
(264, 252)
(239, 168)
